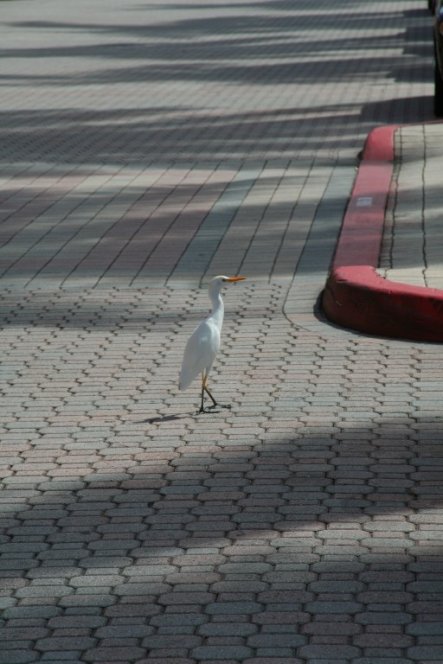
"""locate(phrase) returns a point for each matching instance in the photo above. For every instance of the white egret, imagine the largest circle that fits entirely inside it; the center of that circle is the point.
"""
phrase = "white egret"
(204, 342)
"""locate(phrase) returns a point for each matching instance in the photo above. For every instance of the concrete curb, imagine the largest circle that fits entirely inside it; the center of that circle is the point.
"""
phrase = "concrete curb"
(355, 296)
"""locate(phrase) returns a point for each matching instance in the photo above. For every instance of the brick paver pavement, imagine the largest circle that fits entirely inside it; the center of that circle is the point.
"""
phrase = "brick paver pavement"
(144, 147)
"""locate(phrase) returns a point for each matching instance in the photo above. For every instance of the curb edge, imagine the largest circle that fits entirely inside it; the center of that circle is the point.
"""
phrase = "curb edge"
(355, 295)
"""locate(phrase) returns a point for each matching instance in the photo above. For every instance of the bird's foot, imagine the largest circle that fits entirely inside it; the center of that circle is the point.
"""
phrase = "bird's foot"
(203, 411)
(219, 405)
(212, 408)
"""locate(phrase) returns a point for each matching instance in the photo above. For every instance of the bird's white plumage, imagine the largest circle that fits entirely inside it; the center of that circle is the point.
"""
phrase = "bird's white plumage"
(204, 343)
(200, 352)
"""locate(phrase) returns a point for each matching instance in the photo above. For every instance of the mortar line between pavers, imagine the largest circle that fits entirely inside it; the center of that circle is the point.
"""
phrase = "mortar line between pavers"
(85, 228)
(423, 212)
(386, 257)
(30, 200)
(29, 181)
(89, 223)
(130, 239)
(345, 182)
(300, 257)
(48, 232)
(182, 224)
(211, 233)
(191, 168)
(290, 219)
(267, 165)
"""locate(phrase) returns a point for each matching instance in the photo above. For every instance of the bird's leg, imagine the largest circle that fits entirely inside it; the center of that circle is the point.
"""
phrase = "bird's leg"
(202, 407)
(203, 390)
(214, 402)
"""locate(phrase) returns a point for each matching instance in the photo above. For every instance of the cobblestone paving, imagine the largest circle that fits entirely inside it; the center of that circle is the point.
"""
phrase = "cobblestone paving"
(303, 525)
(145, 147)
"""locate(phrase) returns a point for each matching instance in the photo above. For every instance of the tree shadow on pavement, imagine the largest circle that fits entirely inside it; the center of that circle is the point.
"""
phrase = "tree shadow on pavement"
(259, 50)
(314, 534)
(311, 510)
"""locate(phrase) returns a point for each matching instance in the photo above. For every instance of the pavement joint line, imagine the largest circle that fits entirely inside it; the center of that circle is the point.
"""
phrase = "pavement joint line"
(216, 223)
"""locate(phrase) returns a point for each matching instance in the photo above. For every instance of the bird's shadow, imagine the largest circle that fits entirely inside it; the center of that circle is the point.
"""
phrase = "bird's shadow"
(159, 419)
(165, 418)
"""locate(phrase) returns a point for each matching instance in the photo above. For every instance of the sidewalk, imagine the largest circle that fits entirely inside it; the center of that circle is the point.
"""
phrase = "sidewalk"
(412, 250)
(393, 228)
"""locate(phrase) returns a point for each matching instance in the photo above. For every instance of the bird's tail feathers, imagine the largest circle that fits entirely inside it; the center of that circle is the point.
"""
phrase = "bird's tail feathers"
(184, 382)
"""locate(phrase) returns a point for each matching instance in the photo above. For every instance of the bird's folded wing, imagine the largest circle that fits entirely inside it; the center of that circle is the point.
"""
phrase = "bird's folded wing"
(200, 353)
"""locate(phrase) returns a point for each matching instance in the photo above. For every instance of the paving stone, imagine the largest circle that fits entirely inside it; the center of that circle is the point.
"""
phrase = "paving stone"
(113, 654)
(221, 653)
(227, 629)
(383, 660)
(64, 643)
(425, 629)
(273, 660)
(384, 617)
(18, 656)
(169, 641)
(424, 653)
(276, 640)
(162, 660)
(74, 621)
(232, 608)
(123, 632)
(329, 652)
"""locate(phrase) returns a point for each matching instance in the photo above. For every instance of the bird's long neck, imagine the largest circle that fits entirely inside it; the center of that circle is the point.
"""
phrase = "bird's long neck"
(218, 308)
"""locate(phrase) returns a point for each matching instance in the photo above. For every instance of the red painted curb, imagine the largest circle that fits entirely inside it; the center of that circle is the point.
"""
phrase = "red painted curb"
(355, 296)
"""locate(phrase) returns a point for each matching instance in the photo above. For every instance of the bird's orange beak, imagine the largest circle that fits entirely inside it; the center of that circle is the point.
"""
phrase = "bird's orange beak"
(237, 278)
